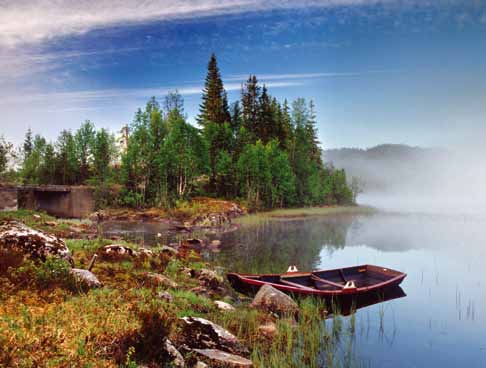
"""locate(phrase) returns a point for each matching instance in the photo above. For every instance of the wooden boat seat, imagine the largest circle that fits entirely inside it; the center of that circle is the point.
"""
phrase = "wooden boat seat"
(294, 284)
(324, 281)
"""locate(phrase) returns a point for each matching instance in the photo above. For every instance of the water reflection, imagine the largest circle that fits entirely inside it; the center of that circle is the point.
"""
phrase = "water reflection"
(438, 324)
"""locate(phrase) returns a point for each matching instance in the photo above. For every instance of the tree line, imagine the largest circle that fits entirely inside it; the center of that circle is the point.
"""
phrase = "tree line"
(257, 149)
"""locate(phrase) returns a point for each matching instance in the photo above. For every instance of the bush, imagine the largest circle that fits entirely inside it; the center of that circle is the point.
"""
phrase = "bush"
(53, 272)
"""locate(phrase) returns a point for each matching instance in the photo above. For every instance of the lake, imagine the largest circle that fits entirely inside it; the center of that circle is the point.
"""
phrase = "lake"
(438, 324)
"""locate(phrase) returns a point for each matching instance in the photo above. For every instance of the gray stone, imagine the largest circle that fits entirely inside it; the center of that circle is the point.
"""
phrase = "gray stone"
(34, 244)
(272, 300)
(86, 278)
(177, 359)
(199, 333)
(217, 358)
(224, 306)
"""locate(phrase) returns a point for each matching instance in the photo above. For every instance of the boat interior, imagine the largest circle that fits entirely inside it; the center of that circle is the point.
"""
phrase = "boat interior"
(333, 280)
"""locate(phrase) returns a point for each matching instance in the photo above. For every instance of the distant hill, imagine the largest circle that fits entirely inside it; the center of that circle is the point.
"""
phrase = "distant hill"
(388, 167)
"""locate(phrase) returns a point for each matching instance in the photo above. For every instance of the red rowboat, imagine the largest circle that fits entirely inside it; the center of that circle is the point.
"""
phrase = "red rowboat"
(350, 281)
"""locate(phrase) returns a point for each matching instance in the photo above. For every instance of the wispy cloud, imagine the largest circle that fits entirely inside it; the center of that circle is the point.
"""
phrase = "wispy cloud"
(303, 76)
(76, 98)
(31, 21)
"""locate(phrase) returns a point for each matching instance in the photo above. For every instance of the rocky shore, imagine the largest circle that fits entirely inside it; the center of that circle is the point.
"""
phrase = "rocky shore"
(100, 303)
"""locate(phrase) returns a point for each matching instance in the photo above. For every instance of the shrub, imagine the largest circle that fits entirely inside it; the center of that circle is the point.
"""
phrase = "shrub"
(53, 272)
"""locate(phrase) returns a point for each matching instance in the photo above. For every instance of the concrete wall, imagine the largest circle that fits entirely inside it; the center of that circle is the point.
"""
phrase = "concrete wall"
(60, 201)
(8, 197)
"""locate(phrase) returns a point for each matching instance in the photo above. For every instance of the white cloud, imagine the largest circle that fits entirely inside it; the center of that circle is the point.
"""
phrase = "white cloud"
(74, 99)
(32, 21)
(291, 76)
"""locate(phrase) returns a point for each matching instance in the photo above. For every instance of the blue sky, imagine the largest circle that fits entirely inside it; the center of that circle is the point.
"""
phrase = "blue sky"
(386, 71)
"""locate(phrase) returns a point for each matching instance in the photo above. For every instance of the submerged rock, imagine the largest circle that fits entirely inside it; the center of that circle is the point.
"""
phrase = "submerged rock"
(19, 238)
(86, 278)
(156, 279)
(199, 333)
(272, 300)
(217, 358)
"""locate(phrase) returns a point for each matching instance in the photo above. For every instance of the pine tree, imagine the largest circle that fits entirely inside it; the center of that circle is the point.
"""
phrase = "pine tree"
(28, 144)
(250, 96)
(265, 124)
(214, 106)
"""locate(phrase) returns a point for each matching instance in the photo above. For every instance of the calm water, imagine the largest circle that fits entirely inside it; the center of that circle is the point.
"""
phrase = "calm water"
(440, 323)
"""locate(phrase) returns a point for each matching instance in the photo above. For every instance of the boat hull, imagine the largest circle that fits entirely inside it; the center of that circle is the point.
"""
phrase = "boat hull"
(383, 280)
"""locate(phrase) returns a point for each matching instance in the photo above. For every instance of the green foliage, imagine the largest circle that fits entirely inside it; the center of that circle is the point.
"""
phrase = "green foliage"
(54, 272)
(5, 153)
(259, 149)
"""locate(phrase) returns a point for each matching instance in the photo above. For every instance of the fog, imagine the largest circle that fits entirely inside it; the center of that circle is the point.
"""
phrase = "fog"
(411, 179)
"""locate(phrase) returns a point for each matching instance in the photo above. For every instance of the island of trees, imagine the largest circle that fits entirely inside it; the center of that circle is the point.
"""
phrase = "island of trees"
(260, 150)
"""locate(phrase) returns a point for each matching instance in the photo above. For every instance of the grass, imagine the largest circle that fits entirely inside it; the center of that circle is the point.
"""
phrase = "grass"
(304, 212)
(123, 324)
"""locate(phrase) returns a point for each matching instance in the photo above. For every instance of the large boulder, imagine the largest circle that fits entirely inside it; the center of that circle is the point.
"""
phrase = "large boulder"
(199, 333)
(217, 358)
(272, 300)
(86, 278)
(16, 237)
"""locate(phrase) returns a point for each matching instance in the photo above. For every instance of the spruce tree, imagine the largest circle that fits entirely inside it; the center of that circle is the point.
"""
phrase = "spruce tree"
(250, 96)
(265, 125)
(214, 106)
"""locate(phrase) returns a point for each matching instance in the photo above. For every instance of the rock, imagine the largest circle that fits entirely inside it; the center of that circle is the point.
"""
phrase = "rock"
(156, 279)
(187, 271)
(19, 238)
(177, 359)
(86, 278)
(217, 358)
(144, 253)
(169, 250)
(224, 306)
(209, 278)
(37, 217)
(199, 333)
(272, 300)
(164, 295)
(268, 329)
(200, 364)
(215, 219)
(117, 251)
(195, 243)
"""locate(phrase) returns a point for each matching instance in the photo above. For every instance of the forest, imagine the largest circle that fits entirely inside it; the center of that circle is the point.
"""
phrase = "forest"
(259, 150)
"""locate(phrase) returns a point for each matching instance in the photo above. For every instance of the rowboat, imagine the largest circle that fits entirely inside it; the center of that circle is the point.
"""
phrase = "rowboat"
(335, 283)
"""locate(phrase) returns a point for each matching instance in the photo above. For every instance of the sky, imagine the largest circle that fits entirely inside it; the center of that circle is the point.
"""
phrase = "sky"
(379, 71)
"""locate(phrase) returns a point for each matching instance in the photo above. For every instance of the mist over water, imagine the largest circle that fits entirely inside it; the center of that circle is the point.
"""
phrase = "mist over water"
(400, 178)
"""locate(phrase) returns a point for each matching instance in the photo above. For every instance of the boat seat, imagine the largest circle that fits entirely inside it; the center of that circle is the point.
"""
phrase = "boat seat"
(294, 284)
(317, 279)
